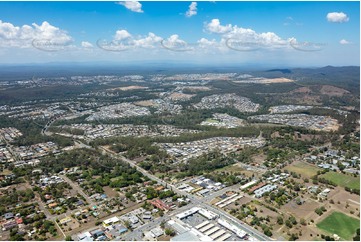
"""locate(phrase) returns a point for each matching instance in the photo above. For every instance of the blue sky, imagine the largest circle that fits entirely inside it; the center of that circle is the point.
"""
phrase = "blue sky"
(273, 33)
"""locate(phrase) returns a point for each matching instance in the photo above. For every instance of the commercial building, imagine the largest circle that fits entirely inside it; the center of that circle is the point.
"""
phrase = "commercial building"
(111, 221)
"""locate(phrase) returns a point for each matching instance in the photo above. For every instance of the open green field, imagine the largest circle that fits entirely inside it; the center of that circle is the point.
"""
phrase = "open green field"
(342, 180)
(303, 168)
(340, 224)
(210, 120)
(231, 168)
(116, 178)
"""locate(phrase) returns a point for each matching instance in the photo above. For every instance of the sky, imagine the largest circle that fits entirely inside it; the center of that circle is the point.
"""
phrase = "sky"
(279, 34)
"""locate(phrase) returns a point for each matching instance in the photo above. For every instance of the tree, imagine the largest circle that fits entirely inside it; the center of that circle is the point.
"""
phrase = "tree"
(357, 236)
(68, 238)
(293, 220)
(162, 224)
(303, 221)
(340, 166)
(320, 210)
(293, 237)
(288, 223)
(169, 231)
(127, 224)
(17, 237)
(267, 232)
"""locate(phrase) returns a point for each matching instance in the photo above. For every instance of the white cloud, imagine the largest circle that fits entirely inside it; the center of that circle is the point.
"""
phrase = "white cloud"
(215, 27)
(125, 40)
(122, 35)
(212, 46)
(174, 40)
(245, 37)
(192, 10)
(86, 44)
(270, 38)
(23, 36)
(149, 41)
(203, 42)
(344, 42)
(176, 44)
(337, 17)
(134, 6)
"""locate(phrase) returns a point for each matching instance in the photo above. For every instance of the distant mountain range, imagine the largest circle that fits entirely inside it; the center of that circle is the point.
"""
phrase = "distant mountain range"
(347, 77)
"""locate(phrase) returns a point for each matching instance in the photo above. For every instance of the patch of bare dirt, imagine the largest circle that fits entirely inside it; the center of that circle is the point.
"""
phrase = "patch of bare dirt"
(147, 103)
(302, 90)
(110, 192)
(259, 158)
(128, 88)
(197, 88)
(276, 80)
(306, 210)
(180, 96)
(333, 91)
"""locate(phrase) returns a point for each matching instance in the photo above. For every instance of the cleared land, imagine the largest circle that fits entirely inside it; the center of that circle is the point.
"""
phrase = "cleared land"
(333, 91)
(237, 168)
(129, 88)
(146, 103)
(110, 192)
(265, 80)
(180, 96)
(340, 224)
(303, 168)
(342, 180)
(231, 168)
(277, 80)
(197, 88)
(306, 210)
(302, 95)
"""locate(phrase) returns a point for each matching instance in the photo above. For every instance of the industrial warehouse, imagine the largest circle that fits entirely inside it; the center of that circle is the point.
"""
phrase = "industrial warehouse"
(199, 224)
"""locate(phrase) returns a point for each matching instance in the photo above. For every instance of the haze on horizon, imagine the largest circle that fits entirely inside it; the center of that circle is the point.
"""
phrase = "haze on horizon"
(266, 34)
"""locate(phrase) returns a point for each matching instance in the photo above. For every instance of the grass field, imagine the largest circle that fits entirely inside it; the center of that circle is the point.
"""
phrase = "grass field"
(303, 168)
(210, 120)
(231, 168)
(116, 178)
(340, 224)
(342, 180)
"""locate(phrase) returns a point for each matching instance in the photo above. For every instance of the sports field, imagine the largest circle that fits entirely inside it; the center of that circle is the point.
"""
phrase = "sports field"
(342, 180)
(340, 224)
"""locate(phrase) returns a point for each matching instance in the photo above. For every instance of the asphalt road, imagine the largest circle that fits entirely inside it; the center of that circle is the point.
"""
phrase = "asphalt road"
(78, 189)
(195, 201)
